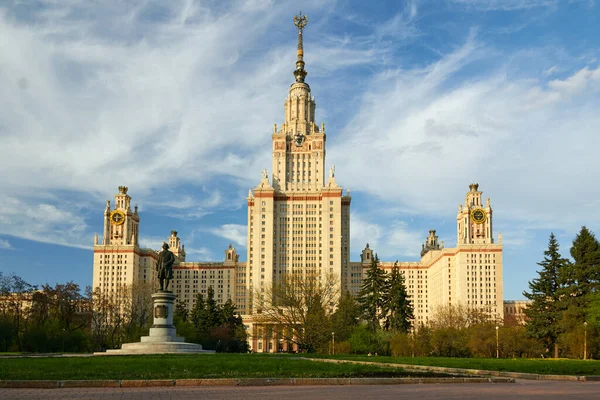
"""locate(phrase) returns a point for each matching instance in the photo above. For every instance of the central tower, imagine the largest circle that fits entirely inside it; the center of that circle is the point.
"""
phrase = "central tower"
(299, 145)
(298, 222)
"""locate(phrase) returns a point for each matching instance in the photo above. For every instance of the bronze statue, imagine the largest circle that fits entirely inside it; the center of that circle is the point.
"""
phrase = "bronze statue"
(164, 267)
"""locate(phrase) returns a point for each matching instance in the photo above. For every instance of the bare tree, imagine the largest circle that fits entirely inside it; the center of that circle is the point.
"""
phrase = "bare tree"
(460, 316)
(121, 316)
(136, 306)
(300, 307)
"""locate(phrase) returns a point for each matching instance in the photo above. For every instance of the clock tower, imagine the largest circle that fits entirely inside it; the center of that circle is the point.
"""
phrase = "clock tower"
(121, 225)
(119, 262)
(474, 219)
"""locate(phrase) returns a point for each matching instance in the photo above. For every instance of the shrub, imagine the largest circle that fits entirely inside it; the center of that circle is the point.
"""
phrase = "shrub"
(401, 345)
(449, 342)
(364, 341)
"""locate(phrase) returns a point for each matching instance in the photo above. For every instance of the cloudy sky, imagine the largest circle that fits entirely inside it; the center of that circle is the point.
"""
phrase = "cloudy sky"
(177, 100)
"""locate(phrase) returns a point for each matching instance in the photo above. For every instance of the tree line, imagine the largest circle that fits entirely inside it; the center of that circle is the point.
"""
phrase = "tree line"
(380, 321)
(63, 318)
(562, 319)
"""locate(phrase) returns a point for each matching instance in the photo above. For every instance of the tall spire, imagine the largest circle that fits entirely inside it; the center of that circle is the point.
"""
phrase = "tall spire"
(300, 21)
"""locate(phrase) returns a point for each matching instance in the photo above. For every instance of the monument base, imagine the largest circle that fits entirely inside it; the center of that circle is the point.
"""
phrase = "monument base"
(163, 337)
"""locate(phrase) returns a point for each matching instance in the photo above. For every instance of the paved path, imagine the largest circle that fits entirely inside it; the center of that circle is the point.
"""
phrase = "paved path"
(546, 390)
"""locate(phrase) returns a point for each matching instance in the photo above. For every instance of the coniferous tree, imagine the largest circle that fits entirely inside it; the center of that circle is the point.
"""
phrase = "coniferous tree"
(545, 309)
(199, 314)
(345, 318)
(371, 297)
(227, 313)
(181, 311)
(212, 308)
(583, 275)
(398, 309)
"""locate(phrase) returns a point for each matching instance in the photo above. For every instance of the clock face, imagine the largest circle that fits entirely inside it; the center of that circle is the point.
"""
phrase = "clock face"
(478, 216)
(299, 139)
(117, 217)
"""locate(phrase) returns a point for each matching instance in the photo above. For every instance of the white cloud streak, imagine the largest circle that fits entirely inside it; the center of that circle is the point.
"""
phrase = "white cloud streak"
(425, 134)
(391, 240)
(236, 233)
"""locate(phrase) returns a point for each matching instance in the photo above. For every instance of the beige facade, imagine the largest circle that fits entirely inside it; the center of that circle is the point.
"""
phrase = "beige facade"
(120, 263)
(299, 224)
(514, 311)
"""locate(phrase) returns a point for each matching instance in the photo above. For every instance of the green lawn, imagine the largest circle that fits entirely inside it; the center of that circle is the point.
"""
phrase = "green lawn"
(535, 366)
(186, 367)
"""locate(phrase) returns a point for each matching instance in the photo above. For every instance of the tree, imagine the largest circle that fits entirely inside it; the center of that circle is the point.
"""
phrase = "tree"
(457, 316)
(544, 311)
(15, 296)
(372, 294)
(397, 307)
(136, 306)
(230, 331)
(346, 317)
(300, 306)
(198, 315)
(583, 275)
(211, 308)
(181, 311)
(214, 326)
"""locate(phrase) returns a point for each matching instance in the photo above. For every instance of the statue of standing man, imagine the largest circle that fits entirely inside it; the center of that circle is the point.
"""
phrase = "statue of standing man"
(164, 267)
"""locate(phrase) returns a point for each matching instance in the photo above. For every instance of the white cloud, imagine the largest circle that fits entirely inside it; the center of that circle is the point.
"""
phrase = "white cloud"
(152, 242)
(201, 253)
(5, 245)
(425, 134)
(236, 233)
(391, 240)
(40, 221)
(577, 82)
(505, 5)
(552, 70)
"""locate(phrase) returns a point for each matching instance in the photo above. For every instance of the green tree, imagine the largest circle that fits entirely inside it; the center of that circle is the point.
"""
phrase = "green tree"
(583, 275)
(346, 317)
(181, 311)
(227, 313)
(211, 308)
(397, 307)
(198, 314)
(371, 297)
(543, 313)
(230, 332)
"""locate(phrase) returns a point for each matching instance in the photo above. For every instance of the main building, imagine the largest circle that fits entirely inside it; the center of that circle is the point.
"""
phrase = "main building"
(299, 224)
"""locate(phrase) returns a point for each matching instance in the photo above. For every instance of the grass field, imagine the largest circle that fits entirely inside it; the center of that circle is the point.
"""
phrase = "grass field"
(534, 366)
(186, 367)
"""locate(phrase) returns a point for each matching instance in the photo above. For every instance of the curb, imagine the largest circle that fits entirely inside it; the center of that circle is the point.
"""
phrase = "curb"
(462, 371)
(243, 382)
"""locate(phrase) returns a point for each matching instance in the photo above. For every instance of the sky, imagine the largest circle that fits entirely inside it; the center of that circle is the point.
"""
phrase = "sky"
(177, 101)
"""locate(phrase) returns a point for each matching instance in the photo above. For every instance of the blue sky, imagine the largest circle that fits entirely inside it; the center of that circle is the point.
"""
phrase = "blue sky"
(177, 101)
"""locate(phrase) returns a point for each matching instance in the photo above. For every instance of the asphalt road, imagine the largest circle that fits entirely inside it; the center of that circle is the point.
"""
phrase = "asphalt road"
(547, 390)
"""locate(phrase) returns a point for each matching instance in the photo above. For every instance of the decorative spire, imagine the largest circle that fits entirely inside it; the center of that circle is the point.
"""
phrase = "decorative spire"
(300, 21)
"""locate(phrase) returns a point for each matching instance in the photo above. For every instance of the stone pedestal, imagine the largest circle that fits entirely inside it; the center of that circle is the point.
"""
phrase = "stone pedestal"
(163, 336)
